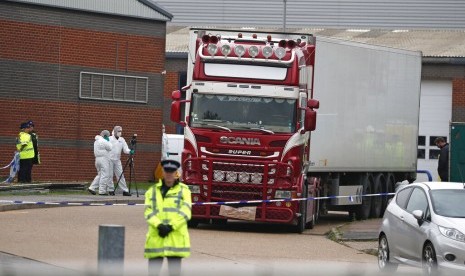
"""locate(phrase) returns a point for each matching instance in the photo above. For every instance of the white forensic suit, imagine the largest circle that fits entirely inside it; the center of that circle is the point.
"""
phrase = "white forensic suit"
(102, 150)
(119, 145)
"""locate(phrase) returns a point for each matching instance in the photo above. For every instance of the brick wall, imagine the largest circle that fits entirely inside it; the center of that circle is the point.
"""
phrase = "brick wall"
(171, 84)
(68, 46)
(458, 100)
(42, 52)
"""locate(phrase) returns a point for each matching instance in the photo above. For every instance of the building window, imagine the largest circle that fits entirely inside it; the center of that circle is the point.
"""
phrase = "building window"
(421, 151)
(434, 153)
(111, 87)
(421, 140)
(432, 138)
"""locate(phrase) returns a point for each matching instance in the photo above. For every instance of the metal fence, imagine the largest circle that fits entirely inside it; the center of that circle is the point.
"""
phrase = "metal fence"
(111, 87)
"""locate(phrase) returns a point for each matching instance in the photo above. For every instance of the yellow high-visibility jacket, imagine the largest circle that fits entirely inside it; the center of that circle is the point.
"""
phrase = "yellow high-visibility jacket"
(174, 209)
(27, 152)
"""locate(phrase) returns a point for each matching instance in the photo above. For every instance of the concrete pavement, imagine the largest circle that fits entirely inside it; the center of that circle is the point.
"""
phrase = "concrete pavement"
(360, 235)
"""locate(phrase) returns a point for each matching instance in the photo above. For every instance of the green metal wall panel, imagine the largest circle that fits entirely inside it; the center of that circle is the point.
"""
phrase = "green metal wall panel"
(457, 152)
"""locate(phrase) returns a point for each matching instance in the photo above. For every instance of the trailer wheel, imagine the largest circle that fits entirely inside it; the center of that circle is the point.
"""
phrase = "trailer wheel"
(377, 201)
(317, 206)
(363, 210)
(388, 188)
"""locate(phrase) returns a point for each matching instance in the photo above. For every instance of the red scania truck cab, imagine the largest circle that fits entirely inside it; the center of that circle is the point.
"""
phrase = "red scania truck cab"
(249, 112)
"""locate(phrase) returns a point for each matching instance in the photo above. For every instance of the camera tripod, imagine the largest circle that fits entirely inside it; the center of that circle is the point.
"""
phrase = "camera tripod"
(132, 174)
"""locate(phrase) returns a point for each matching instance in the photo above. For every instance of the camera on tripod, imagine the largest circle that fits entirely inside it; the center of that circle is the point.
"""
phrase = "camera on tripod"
(133, 141)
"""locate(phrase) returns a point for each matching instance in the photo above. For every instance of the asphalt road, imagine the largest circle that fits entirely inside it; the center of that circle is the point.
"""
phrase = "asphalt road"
(68, 237)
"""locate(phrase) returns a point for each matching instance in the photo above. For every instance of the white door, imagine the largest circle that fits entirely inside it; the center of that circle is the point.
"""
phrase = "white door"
(435, 115)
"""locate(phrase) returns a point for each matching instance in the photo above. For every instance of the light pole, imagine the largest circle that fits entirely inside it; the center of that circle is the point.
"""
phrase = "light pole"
(284, 15)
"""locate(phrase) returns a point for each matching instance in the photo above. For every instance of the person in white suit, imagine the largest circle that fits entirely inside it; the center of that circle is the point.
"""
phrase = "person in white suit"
(102, 148)
(119, 145)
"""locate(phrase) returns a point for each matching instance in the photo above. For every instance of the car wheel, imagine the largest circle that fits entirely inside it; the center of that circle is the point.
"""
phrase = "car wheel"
(430, 263)
(384, 263)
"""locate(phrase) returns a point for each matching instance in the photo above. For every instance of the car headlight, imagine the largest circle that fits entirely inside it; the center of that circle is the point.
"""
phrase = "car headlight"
(195, 189)
(452, 233)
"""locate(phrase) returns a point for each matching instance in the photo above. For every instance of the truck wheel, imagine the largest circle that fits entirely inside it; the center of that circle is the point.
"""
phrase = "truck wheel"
(317, 207)
(302, 220)
(219, 221)
(193, 223)
(363, 210)
(316, 210)
(391, 185)
(377, 201)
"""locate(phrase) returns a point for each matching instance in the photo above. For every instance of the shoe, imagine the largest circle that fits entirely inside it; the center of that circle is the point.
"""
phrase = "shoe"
(111, 193)
(127, 194)
(102, 194)
(91, 191)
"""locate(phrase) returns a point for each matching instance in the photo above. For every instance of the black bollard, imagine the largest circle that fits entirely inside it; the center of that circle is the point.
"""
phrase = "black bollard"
(111, 250)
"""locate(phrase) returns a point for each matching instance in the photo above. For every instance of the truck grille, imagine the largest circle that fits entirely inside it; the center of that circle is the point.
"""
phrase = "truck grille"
(233, 192)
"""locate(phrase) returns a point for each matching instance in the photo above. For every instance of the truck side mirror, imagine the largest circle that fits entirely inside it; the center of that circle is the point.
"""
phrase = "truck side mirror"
(310, 119)
(175, 115)
(176, 95)
(314, 104)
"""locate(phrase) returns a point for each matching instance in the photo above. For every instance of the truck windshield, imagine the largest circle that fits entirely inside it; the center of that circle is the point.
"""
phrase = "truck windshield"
(267, 115)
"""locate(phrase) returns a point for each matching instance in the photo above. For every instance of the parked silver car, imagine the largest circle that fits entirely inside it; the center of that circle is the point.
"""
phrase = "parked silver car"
(424, 226)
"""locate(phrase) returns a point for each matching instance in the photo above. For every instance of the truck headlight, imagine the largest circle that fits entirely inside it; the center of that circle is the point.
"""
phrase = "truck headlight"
(239, 50)
(256, 178)
(282, 194)
(225, 50)
(267, 51)
(452, 233)
(244, 177)
(280, 52)
(231, 176)
(212, 49)
(195, 189)
(218, 175)
(253, 51)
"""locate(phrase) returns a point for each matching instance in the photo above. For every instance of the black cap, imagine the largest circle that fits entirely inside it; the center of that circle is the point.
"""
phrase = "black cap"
(24, 125)
(30, 123)
(170, 165)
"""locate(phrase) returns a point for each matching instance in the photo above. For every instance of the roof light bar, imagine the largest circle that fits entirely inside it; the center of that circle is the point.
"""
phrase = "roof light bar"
(267, 51)
(280, 52)
(253, 51)
(239, 50)
(225, 50)
(212, 49)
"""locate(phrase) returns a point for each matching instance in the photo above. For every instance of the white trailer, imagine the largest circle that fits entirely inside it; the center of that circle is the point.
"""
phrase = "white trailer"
(367, 130)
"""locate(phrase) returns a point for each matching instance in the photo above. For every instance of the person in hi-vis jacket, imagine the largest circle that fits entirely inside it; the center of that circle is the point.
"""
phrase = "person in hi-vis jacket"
(167, 210)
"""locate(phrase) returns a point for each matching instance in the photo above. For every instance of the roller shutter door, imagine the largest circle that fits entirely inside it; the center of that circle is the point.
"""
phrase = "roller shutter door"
(435, 115)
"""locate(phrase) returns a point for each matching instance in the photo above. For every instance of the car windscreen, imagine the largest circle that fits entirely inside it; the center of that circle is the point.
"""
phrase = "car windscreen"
(243, 112)
(448, 203)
